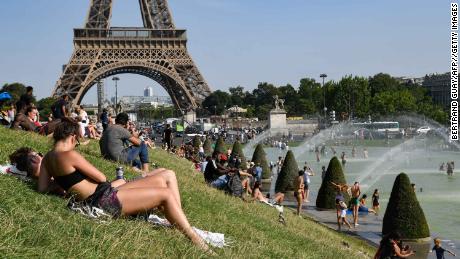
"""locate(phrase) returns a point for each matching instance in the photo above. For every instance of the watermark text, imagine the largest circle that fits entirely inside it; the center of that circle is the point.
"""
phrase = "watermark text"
(454, 71)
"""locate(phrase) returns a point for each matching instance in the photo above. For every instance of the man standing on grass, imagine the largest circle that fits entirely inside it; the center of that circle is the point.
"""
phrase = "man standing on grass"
(115, 146)
(104, 118)
(59, 108)
(167, 137)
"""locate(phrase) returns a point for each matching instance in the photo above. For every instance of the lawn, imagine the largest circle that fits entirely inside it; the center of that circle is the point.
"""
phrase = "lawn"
(39, 225)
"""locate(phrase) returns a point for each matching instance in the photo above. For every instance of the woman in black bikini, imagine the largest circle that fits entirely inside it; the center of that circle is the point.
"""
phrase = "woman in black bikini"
(76, 175)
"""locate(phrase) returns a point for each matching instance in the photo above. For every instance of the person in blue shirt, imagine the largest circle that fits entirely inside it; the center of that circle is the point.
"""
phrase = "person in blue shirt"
(258, 174)
(104, 119)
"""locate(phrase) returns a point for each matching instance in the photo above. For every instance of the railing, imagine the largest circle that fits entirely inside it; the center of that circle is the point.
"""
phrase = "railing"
(131, 33)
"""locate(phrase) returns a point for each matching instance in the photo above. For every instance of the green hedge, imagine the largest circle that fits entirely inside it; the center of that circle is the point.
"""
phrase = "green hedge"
(403, 213)
(220, 146)
(327, 192)
(259, 156)
(288, 173)
(207, 147)
(237, 149)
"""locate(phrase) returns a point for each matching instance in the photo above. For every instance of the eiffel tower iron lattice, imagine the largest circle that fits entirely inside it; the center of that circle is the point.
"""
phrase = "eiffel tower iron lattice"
(158, 51)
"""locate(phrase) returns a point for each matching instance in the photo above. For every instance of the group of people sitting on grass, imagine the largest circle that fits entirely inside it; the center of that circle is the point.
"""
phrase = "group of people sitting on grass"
(24, 115)
(64, 171)
(224, 173)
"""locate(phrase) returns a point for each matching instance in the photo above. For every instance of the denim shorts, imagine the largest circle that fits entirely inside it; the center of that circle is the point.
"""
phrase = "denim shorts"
(105, 197)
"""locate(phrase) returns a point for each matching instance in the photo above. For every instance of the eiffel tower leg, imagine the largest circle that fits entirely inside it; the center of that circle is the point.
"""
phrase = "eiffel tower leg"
(193, 80)
(75, 74)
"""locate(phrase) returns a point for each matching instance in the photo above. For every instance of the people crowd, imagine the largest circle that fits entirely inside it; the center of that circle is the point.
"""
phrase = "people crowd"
(64, 171)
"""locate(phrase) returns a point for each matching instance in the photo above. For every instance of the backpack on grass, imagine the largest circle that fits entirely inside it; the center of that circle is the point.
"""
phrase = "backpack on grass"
(234, 186)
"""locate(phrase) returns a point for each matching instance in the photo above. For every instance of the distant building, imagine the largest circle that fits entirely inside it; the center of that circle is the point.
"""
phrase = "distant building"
(148, 92)
(133, 102)
(410, 80)
(439, 87)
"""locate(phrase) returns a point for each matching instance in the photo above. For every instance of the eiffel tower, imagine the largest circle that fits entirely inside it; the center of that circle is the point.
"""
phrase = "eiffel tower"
(158, 51)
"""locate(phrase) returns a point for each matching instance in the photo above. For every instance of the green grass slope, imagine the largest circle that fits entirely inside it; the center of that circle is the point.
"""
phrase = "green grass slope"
(39, 225)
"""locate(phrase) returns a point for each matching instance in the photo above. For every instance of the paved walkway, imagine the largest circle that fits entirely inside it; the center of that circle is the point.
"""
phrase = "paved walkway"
(369, 228)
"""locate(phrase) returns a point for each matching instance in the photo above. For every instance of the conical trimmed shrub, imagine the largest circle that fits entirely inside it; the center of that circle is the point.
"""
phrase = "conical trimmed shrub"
(207, 147)
(403, 213)
(327, 192)
(220, 146)
(288, 173)
(196, 142)
(237, 149)
(259, 156)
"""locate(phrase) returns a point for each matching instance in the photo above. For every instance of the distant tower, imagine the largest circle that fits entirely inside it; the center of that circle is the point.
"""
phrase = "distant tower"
(100, 96)
(156, 50)
(148, 91)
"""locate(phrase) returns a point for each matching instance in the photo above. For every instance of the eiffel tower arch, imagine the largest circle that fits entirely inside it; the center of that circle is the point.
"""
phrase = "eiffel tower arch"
(158, 51)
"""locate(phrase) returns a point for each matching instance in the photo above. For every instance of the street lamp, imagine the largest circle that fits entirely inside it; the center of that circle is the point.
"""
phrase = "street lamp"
(116, 79)
(323, 76)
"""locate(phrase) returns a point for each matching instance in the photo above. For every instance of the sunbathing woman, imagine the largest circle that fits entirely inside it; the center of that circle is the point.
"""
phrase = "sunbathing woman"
(76, 175)
(258, 195)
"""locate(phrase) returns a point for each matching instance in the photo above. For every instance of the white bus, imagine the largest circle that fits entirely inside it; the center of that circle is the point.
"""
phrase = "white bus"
(392, 127)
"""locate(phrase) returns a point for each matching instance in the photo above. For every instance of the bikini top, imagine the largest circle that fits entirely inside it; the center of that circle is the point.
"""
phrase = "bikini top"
(69, 180)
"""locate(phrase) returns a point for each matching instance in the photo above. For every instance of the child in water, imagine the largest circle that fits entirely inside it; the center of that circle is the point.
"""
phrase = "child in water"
(439, 250)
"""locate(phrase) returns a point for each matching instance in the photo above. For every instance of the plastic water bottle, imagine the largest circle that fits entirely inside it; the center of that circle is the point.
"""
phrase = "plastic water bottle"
(120, 173)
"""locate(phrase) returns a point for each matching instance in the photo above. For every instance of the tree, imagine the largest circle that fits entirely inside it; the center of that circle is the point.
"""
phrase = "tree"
(327, 192)
(289, 172)
(403, 213)
(237, 95)
(352, 96)
(217, 102)
(207, 147)
(44, 106)
(394, 102)
(291, 97)
(238, 150)
(220, 146)
(260, 157)
(382, 83)
(307, 88)
(15, 90)
(263, 99)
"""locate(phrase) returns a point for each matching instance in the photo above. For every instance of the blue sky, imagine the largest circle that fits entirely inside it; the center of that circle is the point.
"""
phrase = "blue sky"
(242, 42)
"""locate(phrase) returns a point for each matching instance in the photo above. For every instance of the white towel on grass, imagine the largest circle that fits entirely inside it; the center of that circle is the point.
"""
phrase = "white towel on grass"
(213, 239)
(11, 170)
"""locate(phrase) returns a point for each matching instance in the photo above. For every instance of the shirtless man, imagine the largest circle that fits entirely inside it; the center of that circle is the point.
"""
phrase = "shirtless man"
(355, 193)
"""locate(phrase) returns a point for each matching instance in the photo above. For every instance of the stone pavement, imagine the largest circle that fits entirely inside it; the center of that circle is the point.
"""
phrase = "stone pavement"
(369, 228)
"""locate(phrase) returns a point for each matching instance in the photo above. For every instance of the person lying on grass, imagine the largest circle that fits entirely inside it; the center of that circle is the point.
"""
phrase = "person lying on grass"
(26, 163)
(258, 195)
(76, 175)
